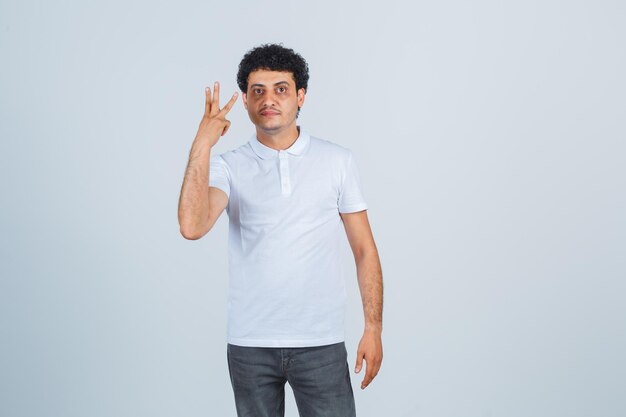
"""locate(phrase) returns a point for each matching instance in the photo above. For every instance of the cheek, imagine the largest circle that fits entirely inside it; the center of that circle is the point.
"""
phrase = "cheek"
(250, 102)
(288, 99)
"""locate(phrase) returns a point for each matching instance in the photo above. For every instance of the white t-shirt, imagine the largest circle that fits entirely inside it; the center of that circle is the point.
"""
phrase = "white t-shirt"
(286, 286)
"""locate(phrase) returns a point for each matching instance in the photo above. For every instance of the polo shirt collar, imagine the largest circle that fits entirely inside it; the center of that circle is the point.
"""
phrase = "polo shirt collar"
(297, 148)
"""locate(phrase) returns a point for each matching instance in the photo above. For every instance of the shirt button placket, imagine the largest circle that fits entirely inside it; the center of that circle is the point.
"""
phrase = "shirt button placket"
(285, 183)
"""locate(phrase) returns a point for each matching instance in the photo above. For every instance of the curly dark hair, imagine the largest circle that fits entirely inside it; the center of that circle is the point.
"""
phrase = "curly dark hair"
(273, 57)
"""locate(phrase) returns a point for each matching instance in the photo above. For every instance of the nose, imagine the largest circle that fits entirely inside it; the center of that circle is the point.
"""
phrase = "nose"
(269, 99)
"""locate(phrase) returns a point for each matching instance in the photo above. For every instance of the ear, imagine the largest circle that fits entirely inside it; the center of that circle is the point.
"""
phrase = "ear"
(301, 93)
(244, 97)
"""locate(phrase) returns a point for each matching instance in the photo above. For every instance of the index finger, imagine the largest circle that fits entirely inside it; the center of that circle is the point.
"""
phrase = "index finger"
(370, 373)
(368, 376)
(230, 104)
(207, 104)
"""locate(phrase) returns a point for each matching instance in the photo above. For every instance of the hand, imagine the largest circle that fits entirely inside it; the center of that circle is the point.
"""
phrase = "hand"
(214, 123)
(370, 349)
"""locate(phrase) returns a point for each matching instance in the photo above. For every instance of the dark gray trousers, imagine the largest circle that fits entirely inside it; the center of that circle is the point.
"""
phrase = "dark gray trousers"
(319, 377)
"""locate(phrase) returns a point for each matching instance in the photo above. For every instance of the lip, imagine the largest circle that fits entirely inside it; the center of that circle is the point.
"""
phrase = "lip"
(269, 113)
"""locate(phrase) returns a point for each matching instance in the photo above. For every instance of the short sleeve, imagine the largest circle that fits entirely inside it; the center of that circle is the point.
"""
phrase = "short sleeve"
(350, 195)
(219, 176)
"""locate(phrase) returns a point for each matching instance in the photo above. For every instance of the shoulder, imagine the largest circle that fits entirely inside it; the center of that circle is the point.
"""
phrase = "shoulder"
(331, 150)
(231, 157)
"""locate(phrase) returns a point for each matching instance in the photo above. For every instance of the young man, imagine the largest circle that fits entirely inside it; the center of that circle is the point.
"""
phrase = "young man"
(286, 194)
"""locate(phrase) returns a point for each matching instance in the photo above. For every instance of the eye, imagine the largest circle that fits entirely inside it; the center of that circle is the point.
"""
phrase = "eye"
(258, 91)
(281, 89)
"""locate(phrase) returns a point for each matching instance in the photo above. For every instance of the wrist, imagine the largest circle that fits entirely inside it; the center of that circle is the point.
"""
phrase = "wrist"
(203, 142)
(376, 329)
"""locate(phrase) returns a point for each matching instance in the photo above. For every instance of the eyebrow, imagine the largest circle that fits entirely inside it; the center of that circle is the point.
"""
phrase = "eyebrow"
(263, 85)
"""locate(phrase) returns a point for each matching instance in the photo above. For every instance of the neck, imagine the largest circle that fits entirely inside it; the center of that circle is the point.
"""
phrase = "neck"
(279, 140)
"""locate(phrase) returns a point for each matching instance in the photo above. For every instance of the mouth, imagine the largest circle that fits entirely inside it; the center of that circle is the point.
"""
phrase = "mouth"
(269, 113)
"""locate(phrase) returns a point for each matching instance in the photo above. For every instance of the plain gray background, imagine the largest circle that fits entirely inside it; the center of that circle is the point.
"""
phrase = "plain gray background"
(490, 141)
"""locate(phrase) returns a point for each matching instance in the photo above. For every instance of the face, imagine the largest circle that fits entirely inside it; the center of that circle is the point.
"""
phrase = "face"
(272, 100)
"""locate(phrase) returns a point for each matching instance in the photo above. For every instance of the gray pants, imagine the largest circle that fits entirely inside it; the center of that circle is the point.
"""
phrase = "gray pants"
(319, 377)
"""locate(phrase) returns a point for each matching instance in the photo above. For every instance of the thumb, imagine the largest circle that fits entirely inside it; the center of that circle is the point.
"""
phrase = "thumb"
(359, 362)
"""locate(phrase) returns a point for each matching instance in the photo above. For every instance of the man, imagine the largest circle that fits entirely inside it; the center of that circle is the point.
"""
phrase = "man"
(286, 194)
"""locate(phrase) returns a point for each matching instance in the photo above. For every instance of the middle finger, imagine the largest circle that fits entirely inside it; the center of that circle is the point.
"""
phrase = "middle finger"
(215, 104)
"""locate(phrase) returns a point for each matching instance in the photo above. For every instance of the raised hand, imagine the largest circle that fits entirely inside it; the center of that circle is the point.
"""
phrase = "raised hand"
(214, 123)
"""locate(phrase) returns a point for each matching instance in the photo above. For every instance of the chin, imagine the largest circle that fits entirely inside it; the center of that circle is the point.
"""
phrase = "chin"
(269, 125)
(270, 128)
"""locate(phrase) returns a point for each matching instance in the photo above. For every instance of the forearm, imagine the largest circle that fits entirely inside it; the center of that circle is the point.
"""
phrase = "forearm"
(193, 205)
(370, 277)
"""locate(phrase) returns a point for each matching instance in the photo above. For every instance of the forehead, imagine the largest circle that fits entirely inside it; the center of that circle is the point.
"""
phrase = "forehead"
(268, 77)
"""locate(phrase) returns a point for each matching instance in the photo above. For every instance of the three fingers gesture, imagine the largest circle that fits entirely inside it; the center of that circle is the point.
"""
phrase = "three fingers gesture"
(214, 123)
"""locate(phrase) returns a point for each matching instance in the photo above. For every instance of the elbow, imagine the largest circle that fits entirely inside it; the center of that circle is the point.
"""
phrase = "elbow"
(193, 228)
(190, 236)
(190, 228)
(365, 252)
(190, 233)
